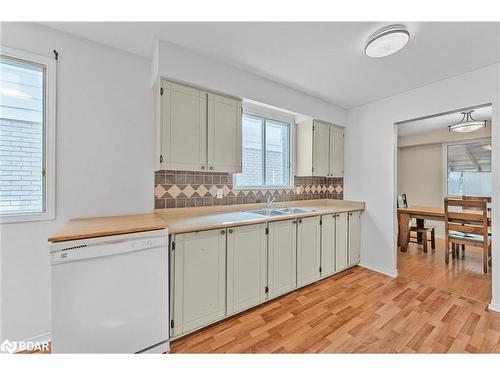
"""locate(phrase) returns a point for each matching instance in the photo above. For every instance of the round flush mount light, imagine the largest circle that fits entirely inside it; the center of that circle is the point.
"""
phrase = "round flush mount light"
(387, 41)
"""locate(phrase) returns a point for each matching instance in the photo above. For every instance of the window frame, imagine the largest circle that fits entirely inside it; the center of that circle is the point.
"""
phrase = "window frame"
(273, 115)
(49, 136)
(445, 158)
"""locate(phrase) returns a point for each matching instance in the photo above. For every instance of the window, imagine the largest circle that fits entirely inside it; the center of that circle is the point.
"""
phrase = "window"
(27, 92)
(266, 153)
(468, 167)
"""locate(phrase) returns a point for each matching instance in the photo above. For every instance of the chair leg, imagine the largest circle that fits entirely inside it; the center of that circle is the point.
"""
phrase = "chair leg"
(489, 255)
(433, 238)
(463, 251)
(447, 253)
(485, 258)
(453, 250)
(424, 240)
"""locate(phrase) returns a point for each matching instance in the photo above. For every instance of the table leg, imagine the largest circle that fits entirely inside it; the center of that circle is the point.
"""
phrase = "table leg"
(404, 230)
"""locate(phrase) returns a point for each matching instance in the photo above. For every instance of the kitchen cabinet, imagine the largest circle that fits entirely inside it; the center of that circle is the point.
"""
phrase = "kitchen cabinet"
(182, 128)
(328, 243)
(354, 237)
(246, 267)
(197, 130)
(308, 250)
(341, 241)
(224, 134)
(199, 279)
(336, 162)
(320, 149)
(282, 267)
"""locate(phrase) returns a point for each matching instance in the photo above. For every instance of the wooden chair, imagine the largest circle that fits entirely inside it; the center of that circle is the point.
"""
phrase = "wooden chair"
(467, 226)
(420, 231)
(473, 198)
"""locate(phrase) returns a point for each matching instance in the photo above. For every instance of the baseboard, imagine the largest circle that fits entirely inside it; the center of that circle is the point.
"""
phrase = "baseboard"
(494, 307)
(391, 273)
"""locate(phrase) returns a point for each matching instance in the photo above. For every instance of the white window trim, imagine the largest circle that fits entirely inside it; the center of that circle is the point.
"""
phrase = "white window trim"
(271, 114)
(445, 159)
(49, 144)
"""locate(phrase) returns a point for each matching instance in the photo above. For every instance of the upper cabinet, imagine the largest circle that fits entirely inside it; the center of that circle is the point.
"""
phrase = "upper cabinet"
(197, 130)
(320, 149)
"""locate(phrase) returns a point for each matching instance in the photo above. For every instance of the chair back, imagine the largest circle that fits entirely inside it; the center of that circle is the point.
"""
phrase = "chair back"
(468, 216)
(402, 202)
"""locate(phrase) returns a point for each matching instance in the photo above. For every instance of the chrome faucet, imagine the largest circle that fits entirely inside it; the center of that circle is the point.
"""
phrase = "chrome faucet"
(269, 203)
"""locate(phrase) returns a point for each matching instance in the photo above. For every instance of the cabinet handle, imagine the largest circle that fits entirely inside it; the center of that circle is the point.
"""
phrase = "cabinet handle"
(223, 232)
(202, 167)
(295, 221)
(211, 168)
(300, 221)
(230, 231)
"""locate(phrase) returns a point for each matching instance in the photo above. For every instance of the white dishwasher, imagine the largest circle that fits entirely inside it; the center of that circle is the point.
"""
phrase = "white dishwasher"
(110, 294)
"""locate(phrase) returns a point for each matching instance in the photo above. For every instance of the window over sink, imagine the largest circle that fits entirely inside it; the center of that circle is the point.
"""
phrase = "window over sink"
(266, 153)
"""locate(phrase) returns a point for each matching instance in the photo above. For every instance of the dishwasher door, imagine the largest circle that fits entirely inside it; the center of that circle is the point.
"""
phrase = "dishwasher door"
(110, 294)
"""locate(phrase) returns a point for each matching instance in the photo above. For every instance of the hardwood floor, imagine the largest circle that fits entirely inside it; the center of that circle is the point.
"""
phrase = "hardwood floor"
(356, 311)
(464, 277)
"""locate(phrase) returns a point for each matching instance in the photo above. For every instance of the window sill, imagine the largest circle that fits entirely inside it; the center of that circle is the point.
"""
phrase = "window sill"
(24, 218)
(237, 188)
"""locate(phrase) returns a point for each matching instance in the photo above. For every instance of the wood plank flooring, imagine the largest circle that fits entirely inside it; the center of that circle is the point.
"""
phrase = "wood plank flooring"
(360, 311)
(464, 277)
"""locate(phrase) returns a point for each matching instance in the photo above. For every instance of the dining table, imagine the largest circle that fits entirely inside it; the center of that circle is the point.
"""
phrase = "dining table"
(420, 214)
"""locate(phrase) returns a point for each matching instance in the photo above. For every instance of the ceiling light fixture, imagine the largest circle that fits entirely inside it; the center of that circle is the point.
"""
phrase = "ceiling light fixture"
(387, 41)
(467, 124)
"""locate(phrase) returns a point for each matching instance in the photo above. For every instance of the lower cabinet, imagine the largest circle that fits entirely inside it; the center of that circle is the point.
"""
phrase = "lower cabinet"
(341, 241)
(308, 250)
(327, 245)
(246, 267)
(282, 268)
(199, 280)
(217, 273)
(354, 237)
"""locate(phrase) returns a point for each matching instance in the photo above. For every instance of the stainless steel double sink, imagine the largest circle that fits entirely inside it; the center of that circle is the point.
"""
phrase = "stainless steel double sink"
(280, 211)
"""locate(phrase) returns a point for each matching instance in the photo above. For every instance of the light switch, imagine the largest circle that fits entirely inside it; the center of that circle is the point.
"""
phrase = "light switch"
(219, 193)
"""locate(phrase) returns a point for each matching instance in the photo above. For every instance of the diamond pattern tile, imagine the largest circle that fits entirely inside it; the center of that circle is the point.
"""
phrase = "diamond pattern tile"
(213, 190)
(174, 191)
(160, 191)
(202, 190)
(188, 191)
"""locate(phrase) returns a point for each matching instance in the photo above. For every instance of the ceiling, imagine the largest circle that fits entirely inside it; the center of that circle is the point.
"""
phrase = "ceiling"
(323, 59)
(440, 122)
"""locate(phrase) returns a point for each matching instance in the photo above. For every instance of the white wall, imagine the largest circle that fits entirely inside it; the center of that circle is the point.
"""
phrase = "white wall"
(105, 155)
(174, 62)
(420, 177)
(371, 158)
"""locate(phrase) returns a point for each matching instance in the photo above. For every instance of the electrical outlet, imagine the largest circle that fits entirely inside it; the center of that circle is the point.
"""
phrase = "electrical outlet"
(219, 193)
(298, 190)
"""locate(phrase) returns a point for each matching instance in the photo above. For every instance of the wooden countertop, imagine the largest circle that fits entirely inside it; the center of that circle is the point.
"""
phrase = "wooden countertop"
(183, 220)
(107, 226)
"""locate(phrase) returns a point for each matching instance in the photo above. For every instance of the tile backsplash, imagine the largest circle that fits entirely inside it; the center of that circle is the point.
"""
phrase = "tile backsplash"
(175, 189)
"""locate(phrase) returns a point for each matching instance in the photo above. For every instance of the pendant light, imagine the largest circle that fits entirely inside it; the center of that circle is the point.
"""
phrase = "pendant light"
(467, 124)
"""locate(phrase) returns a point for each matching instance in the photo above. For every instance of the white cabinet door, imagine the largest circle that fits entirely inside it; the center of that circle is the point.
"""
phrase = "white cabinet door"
(321, 149)
(224, 134)
(183, 128)
(341, 241)
(354, 237)
(282, 267)
(327, 245)
(336, 151)
(308, 250)
(199, 279)
(246, 267)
